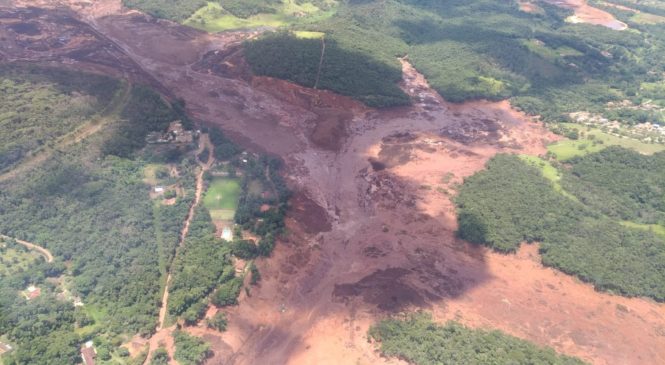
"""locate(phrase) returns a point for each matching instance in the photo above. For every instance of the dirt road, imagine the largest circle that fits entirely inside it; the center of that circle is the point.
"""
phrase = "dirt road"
(585, 13)
(31, 246)
(164, 333)
(95, 124)
(371, 229)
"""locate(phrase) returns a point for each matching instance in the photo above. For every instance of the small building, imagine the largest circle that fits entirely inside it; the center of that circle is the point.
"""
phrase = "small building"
(88, 353)
(227, 234)
(32, 292)
(159, 189)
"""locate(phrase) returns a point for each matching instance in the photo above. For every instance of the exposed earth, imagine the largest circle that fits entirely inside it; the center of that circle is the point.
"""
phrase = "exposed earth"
(585, 13)
(371, 230)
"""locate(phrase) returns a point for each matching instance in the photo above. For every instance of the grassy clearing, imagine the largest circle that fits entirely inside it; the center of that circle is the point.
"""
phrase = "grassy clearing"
(214, 18)
(655, 228)
(150, 172)
(549, 172)
(222, 195)
(13, 260)
(567, 149)
(303, 34)
(646, 18)
(222, 214)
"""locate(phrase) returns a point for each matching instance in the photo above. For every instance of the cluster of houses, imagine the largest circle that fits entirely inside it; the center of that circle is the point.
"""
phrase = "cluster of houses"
(175, 133)
(646, 132)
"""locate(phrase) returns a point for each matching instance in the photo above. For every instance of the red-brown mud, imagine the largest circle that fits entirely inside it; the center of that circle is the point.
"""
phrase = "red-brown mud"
(585, 13)
(372, 227)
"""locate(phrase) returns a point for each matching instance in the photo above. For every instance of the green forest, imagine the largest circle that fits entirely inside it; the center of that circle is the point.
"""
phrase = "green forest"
(200, 266)
(91, 209)
(343, 71)
(40, 105)
(467, 50)
(482, 50)
(512, 202)
(420, 341)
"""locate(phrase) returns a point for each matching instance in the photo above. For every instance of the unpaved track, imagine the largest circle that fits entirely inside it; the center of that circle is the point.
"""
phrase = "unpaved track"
(162, 332)
(87, 129)
(585, 13)
(390, 244)
(31, 246)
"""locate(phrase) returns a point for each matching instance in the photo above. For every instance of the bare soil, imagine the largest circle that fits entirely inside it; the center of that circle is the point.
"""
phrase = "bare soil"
(371, 231)
(586, 13)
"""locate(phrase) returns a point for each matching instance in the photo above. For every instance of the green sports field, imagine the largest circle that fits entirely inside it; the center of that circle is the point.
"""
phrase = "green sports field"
(222, 195)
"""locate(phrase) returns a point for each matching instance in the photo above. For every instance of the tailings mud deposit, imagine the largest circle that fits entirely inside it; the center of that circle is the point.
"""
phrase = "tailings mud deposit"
(372, 228)
(585, 13)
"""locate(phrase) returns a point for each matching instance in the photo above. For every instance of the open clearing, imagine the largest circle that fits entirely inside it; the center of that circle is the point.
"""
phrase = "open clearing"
(585, 13)
(222, 194)
(371, 228)
(214, 18)
(567, 149)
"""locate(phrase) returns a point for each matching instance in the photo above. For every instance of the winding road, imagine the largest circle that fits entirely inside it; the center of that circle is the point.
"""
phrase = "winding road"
(31, 246)
(164, 332)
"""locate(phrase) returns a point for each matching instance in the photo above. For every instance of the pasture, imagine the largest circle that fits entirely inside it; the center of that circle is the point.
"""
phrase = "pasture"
(549, 172)
(596, 140)
(221, 198)
(214, 18)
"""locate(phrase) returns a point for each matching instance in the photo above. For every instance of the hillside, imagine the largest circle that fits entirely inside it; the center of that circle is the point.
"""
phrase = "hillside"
(332, 182)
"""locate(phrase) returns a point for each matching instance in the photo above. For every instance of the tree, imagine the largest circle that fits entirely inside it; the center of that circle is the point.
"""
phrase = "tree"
(218, 322)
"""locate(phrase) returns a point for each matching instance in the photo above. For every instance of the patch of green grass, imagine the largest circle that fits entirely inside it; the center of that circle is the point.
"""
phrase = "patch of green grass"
(549, 53)
(549, 172)
(214, 18)
(303, 34)
(222, 194)
(646, 18)
(13, 260)
(655, 228)
(222, 214)
(567, 149)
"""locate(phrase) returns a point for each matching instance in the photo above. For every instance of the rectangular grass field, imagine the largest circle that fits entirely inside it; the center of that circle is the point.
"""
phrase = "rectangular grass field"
(222, 194)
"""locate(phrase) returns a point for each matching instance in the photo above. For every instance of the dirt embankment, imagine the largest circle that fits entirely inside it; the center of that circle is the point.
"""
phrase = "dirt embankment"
(385, 184)
(585, 13)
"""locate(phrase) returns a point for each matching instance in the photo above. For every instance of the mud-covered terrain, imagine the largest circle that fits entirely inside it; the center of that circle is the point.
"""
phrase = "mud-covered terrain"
(371, 226)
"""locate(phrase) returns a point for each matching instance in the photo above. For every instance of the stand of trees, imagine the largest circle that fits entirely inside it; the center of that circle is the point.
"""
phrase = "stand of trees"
(92, 211)
(418, 340)
(200, 266)
(190, 350)
(511, 202)
(344, 71)
(41, 104)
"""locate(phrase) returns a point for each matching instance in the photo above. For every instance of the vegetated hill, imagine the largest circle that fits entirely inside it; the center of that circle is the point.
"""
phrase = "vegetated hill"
(492, 50)
(91, 209)
(92, 203)
(480, 49)
(511, 202)
(40, 105)
(219, 15)
(418, 340)
(346, 72)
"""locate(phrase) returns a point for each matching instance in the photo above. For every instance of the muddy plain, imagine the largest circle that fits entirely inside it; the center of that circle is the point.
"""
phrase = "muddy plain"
(371, 230)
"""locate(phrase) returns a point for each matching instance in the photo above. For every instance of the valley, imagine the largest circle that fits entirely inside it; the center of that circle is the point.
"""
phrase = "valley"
(371, 226)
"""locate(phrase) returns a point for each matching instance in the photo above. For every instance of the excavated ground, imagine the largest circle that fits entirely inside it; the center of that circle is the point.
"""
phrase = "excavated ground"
(371, 229)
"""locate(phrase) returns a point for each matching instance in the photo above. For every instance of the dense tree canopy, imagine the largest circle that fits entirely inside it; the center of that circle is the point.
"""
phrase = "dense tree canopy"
(420, 341)
(511, 202)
